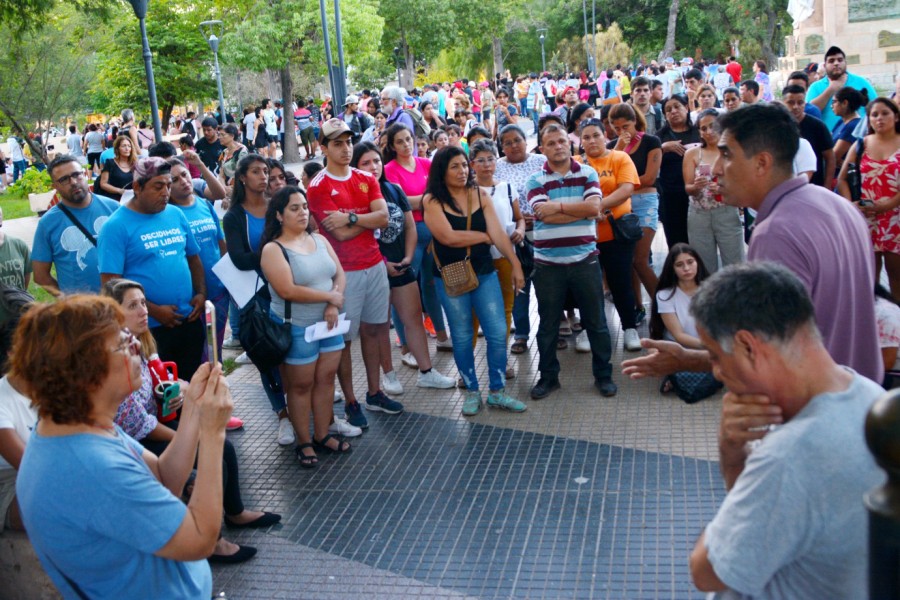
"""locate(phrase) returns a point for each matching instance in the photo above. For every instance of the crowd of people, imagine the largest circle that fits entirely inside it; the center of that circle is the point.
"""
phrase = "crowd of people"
(429, 210)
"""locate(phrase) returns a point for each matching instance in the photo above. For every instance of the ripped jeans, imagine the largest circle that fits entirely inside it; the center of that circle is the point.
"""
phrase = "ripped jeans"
(487, 302)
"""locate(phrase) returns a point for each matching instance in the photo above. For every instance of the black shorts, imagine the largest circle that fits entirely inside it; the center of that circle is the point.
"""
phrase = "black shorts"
(406, 278)
(271, 138)
(93, 158)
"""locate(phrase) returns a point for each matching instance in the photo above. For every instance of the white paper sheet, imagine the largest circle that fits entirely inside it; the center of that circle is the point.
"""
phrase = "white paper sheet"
(220, 212)
(242, 285)
(320, 331)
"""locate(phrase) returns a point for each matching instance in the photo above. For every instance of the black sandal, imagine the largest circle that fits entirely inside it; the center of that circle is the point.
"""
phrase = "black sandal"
(519, 346)
(666, 386)
(321, 445)
(306, 461)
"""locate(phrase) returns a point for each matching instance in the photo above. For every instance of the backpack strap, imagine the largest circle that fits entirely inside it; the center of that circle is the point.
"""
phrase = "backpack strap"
(78, 224)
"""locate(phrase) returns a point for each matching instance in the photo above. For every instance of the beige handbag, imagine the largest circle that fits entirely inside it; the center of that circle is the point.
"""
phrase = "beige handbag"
(459, 277)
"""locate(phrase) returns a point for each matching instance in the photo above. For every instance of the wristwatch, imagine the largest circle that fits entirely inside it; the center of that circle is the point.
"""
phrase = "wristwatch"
(352, 219)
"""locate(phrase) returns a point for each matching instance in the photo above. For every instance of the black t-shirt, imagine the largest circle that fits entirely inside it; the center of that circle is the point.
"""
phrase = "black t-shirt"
(392, 242)
(670, 174)
(209, 153)
(815, 132)
(117, 178)
(640, 154)
(482, 262)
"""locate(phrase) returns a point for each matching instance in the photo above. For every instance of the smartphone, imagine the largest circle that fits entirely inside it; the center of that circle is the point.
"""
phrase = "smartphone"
(212, 348)
(704, 170)
(172, 391)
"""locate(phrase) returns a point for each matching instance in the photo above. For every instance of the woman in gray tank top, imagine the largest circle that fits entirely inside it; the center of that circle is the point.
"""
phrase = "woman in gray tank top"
(303, 270)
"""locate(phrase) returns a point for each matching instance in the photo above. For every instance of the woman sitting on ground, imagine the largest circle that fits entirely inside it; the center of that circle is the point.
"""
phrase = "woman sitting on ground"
(139, 415)
(670, 315)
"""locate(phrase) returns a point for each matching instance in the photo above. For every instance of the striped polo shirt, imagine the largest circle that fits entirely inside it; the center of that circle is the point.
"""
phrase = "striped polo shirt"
(572, 242)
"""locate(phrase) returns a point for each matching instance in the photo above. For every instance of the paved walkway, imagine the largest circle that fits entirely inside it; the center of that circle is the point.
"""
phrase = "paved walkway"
(579, 497)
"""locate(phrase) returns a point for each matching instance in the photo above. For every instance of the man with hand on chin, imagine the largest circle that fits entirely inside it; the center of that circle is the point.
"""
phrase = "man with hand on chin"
(791, 443)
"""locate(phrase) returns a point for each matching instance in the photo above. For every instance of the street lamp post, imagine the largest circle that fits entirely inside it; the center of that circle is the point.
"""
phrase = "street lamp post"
(397, 63)
(140, 11)
(212, 31)
(543, 56)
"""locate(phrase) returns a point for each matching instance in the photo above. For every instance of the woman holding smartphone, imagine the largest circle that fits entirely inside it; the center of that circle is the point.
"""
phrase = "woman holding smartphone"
(714, 228)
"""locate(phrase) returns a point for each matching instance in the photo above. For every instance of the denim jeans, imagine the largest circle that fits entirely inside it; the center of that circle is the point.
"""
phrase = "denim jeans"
(487, 302)
(551, 284)
(422, 263)
(521, 310)
(19, 167)
(271, 380)
(616, 259)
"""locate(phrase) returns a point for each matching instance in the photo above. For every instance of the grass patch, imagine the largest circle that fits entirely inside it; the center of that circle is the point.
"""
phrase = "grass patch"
(40, 294)
(14, 206)
(229, 366)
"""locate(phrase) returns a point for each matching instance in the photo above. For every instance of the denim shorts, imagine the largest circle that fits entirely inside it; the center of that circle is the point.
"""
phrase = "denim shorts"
(646, 207)
(303, 352)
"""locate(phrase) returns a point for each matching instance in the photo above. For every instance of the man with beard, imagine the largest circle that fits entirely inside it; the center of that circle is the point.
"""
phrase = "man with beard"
(67, 235)
(836, 77)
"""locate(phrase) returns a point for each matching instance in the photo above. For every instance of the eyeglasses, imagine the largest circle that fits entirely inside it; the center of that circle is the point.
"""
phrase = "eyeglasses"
(485, 161)
(129, 343)
(75, 176)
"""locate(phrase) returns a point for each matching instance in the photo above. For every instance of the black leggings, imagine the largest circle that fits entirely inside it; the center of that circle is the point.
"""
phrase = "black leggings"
(231, 496)
(182, 345)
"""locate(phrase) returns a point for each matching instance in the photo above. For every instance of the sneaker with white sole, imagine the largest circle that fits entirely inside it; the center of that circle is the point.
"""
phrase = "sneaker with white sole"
(446, 345)
(243, 359)
(582, 343)
(409, 360)
(381, 403)
(472, 404)
(338, 395)
(433, 379)
(231, 343)
(632, 340)
(285, 432)
(342, 427)
(391, 385)
(499, 399)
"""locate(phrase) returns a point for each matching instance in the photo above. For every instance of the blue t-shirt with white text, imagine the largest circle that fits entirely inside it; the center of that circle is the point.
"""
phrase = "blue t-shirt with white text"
(59, 241)
(152, 250)
(207, 231)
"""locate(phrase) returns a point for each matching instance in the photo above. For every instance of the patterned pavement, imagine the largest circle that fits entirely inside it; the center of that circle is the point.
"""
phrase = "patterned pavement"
(579, 497)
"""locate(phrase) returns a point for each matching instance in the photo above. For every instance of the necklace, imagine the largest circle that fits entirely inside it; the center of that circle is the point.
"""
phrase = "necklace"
(109, 428)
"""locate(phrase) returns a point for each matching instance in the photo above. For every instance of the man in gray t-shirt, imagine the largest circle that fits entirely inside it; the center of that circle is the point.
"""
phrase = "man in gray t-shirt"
(793, 525)
(74, 142)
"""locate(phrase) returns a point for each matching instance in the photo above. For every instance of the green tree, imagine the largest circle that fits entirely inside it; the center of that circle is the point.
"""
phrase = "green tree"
(35, 89)
(275, 33)
(181, 59)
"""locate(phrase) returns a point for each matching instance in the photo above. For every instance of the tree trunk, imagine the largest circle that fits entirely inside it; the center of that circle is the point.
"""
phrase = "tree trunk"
(497, 51)
(669, 47)
(272, 85)
(166, 115)
(37, 150)
(291, 152)
(767, 51)
(408, 72)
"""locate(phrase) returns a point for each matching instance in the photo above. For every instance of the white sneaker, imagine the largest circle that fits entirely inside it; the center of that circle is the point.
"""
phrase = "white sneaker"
(338, 395)
(434, 379)
(391, 385)
(285, 432)
(632, 340)
(409, 360)
(243, 359)
(231, 343)
(342, 427)
(445, 345)
(582, 343)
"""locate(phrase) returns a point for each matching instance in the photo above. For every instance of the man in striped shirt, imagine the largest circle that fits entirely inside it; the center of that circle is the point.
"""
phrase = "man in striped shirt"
(566, 199)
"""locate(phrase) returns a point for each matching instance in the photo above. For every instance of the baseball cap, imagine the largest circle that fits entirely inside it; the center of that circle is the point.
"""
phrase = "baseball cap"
(351, 99)
(332, 128)
(670, 60)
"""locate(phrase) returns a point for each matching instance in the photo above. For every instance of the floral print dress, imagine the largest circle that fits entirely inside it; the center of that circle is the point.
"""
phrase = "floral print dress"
(881, 180)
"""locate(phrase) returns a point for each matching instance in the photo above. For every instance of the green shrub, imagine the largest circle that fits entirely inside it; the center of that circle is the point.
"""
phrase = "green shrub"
(32, 182)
